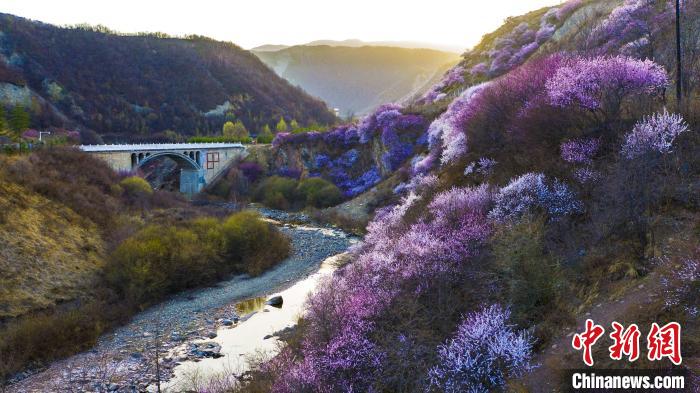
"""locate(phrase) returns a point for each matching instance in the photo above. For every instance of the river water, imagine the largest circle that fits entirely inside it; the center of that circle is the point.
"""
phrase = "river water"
(250, 339)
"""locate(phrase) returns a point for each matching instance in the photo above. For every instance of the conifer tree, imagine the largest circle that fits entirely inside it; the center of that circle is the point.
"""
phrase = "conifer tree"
(281, 125)
(265, 135)
(19, 120)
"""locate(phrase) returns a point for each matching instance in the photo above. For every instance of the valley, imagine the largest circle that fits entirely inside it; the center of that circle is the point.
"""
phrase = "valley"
(178, 214)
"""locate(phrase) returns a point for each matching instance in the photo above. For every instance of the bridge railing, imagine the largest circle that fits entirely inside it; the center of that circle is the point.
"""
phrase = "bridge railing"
(159, 146)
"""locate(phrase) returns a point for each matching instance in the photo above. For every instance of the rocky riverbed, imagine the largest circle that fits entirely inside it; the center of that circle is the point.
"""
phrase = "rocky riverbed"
(125, 359)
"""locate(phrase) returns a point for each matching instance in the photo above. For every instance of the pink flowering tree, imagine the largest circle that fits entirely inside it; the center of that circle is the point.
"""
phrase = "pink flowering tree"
(601, 84)
(483, 353)
(655, 133)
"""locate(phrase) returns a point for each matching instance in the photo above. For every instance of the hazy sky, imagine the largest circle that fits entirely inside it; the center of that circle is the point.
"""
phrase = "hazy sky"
(256, 22)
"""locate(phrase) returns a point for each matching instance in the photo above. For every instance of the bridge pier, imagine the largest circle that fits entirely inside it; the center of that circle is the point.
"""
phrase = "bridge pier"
(191, 181)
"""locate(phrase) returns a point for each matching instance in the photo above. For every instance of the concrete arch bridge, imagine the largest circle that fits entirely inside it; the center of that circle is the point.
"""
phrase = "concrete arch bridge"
(200, 163)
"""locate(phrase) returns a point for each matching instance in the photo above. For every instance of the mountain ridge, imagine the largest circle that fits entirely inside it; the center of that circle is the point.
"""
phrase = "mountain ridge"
(356, 43)
(138, 86)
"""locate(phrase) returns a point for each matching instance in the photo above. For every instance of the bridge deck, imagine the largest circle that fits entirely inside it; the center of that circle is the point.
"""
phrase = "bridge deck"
(158, 146)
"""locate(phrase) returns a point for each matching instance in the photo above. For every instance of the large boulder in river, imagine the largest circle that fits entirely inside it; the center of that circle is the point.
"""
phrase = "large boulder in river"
(275, 301)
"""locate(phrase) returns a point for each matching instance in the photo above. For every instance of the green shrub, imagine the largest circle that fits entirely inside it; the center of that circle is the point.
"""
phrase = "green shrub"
(318, 192)
(282, 193)
(163, 259)
(256, 243)
(276, 192)
(23, 342)
(530, 276)
(136, 187)
(156, 261)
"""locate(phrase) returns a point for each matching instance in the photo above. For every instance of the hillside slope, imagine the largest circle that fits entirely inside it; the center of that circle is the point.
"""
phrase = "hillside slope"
(126, 87)
(555, 180)
(47, 253)
(357, 79)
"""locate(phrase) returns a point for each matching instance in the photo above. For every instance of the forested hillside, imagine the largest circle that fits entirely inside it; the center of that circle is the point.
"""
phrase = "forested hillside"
(138, 86)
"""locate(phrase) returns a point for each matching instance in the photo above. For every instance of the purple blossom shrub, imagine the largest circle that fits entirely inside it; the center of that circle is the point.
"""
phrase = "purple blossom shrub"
(479, 69)
(454, 207)
(386, 122)
(452, 77)
(417, 184)
(282, 138)
(580, 151)
(522, 54)
(31, 133)
(446, 134)
(388, 221)
(353, 187)
(631, 21)
(397, 258)
(544, 33)
(338, 354)
(682, 286)
(586, 175)
(654, 134)
(484, 166)
(530, 191)
(321, 160)
(251, 170)
(294, 173)
(347, 159)
(396, 151)
(601, 83)
(484, 352)
(387, 118)
(424, 163)
(568, 8)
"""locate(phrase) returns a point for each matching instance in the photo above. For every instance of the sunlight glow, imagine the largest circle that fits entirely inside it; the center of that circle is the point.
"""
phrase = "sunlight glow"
(459, 23)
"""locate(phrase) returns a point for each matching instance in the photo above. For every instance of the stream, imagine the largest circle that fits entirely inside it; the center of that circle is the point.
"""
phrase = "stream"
(205, 333)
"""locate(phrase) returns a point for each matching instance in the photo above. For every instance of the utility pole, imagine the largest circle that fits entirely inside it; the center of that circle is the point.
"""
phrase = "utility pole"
(678, 52)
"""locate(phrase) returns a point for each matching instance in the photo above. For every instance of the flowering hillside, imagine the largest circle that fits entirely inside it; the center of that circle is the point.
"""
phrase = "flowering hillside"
(554, 168)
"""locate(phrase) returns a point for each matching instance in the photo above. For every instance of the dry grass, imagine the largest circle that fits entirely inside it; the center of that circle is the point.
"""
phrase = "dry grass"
(48, 254)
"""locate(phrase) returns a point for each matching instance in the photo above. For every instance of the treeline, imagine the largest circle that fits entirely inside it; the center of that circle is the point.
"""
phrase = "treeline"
(139, 86)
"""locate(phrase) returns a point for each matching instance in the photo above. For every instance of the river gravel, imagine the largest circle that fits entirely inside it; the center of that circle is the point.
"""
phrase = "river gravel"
(122, 360)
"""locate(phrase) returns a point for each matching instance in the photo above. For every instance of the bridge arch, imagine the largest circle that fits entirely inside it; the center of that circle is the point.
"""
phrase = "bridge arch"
(185, 160)
(191, 173)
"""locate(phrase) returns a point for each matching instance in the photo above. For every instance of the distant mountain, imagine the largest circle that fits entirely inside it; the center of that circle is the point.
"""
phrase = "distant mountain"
(357, 79)
(269, 48)
(355, 43)
(137, 86)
